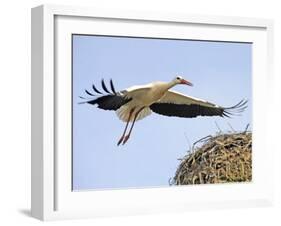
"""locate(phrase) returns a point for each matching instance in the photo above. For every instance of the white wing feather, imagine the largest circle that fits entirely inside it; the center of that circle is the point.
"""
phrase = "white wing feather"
(179, 98)
(136, 92)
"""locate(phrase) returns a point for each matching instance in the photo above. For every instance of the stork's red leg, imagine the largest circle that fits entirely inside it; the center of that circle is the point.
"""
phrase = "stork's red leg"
(126, 138)
(122, 137)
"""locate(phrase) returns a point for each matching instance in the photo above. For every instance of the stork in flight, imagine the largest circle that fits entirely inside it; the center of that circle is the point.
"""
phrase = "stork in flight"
(137, 102)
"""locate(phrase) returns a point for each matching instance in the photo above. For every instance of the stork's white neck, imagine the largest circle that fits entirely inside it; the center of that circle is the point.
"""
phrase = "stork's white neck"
(171, 84)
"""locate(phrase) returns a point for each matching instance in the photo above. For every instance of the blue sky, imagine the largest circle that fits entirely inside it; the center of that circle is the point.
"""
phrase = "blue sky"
(220, 72)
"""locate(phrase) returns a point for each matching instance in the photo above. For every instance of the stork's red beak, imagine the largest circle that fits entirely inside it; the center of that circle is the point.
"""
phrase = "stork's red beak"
(186, 82)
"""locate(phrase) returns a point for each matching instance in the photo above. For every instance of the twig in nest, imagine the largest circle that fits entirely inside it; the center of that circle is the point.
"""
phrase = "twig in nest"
(246, 129)
(233, 130)
(218, 127)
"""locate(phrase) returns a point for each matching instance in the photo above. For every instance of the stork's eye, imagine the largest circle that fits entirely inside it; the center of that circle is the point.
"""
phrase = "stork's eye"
(178, 78)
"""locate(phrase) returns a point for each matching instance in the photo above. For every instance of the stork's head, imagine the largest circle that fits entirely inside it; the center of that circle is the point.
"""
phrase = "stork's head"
(181, 80)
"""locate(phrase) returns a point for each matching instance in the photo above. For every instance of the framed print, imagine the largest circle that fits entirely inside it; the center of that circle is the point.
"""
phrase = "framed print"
(137, 112)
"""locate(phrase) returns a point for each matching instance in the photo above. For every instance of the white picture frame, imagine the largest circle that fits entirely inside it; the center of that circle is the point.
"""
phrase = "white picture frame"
(52, 197)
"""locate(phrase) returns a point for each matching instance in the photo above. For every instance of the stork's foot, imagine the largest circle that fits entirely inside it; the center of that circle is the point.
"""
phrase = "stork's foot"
(120, 141)
(126, 138)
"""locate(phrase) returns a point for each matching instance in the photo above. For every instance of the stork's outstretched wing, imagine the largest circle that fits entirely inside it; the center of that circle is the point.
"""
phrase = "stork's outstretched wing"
(180, 105)
(112, 100)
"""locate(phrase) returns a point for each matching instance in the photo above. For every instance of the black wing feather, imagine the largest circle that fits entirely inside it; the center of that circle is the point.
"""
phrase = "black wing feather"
(86, 91)
(194, 110)
(104, 87)
(110, 101)
(96, 90)
(112, 86)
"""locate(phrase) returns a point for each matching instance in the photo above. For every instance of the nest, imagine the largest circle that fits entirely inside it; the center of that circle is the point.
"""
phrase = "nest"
(219, 159)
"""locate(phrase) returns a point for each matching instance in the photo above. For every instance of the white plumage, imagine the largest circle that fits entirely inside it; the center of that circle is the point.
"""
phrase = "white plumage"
(124, 111)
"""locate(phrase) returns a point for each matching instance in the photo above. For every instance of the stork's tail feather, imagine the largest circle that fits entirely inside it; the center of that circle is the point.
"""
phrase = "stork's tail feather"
(97, 92)
(236, 109)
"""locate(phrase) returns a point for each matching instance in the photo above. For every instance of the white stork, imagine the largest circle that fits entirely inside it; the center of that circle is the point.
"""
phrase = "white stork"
(137, 102)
